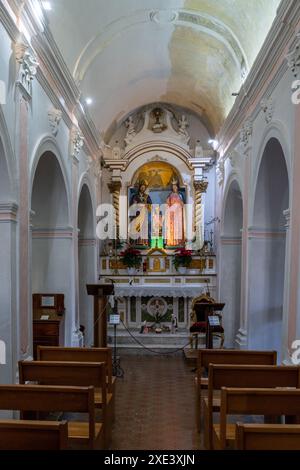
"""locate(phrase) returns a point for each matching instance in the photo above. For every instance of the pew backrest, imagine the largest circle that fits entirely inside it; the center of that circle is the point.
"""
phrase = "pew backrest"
(33, 435)
(248, 376)
(267, 437)
(256, 401)
(66, 354)
(42, 398)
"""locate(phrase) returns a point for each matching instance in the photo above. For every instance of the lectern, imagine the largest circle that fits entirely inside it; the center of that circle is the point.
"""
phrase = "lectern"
(100, 292)
(205, 307)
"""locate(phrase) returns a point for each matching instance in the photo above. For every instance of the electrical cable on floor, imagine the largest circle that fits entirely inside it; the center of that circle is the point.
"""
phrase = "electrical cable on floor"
(152, 350)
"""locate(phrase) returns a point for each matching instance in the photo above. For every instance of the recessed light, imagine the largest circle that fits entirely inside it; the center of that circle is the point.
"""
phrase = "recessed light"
(88, 101)
(47, 6)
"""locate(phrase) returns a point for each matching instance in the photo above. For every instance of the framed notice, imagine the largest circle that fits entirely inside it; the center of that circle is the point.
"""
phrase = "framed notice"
(114, 319)
(48, 301)
(214, 320)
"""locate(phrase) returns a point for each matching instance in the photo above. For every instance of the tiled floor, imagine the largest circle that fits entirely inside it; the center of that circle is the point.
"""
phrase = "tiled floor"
(155, 405)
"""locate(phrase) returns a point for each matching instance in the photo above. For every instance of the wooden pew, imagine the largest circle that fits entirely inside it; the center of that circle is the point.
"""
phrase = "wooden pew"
(73, 374)
(47, 399)
(250, 376)
(56, 353)
(255, 401)
(267, 436)
(226, 356)
(33, 435)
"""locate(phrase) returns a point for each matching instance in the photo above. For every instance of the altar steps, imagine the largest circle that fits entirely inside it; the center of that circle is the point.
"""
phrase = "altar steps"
(162, 342)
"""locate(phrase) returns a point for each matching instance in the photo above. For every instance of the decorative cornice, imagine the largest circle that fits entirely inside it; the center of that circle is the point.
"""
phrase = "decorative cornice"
(263, 234)
(8, 212)
(225, 240)
(49, 233)
(87, 241)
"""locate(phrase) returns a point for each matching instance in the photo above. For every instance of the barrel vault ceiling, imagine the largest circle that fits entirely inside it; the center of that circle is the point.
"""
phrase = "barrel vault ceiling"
(192, 53)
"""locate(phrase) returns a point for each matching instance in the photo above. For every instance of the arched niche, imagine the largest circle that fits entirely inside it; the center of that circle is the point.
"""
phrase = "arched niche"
(86, 261)
(267, 246)
(52, 256)
(231, 261)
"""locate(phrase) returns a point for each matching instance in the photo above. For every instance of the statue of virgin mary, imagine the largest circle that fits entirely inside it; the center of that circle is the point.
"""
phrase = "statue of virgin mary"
(174, 227)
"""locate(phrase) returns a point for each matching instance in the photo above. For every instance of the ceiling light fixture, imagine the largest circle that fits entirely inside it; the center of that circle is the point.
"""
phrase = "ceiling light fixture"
(214, 143)
(88, 101)
(47, 6)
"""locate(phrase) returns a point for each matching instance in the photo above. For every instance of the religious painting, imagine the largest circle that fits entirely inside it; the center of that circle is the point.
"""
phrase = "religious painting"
(156, 207)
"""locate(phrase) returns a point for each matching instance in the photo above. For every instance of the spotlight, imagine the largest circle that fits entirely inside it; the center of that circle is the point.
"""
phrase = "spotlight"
(89, 101)
(47, 6)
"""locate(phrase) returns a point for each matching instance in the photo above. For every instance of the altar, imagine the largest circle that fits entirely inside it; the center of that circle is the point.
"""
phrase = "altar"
(162, 289)
(159, 177)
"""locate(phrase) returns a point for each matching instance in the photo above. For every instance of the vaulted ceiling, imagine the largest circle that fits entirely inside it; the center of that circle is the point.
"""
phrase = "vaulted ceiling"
(192, 53)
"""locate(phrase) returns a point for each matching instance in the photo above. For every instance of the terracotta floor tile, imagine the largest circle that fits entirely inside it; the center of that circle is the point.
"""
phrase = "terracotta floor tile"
(155, 405)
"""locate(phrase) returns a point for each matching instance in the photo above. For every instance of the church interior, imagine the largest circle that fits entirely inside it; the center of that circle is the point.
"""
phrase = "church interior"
(149, 225)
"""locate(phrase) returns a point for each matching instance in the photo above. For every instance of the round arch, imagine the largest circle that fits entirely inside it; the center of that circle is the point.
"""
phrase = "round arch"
(231, 259)
(275, 130)
(87, 259)
(52, 238)
(267, 247)
(48, 144)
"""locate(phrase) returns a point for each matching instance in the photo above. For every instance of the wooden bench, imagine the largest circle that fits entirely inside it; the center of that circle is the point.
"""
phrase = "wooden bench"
(33, 435)
(250, 376)
(255, 401)
(226, 356)
(52, 353)
(73, 374)
(47, 399)
(267, 437)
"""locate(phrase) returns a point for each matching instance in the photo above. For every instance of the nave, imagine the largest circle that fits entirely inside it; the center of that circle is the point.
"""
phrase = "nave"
(231, 400)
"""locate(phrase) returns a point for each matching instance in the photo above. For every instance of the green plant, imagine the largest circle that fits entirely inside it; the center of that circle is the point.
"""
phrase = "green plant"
(131, 257)
(182, 258)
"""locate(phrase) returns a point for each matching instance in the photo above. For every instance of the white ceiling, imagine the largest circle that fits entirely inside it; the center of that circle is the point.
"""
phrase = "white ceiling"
(192, 53)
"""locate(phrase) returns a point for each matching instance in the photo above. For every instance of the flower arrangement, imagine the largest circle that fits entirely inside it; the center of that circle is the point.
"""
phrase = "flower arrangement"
(131, 257)
(183, 258)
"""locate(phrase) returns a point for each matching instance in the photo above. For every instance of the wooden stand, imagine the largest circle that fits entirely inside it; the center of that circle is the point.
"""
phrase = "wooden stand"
(100, 293)
(203, 311)
(48, 320)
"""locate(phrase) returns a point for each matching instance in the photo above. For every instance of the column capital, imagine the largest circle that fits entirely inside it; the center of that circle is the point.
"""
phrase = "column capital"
(200, 185)
(114, 186)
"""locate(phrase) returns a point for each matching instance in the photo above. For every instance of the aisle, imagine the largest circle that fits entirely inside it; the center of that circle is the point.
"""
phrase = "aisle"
(155, 407)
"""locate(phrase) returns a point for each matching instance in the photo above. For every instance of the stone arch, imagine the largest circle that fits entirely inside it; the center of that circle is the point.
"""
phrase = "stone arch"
(231, 259)
(267, 248)
(87, 256)
(51, 251)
